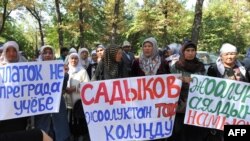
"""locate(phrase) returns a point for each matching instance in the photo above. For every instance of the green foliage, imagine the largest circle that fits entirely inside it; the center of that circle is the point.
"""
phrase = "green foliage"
(14, 33)
(220, 26)
(151, 19)
(166, 20)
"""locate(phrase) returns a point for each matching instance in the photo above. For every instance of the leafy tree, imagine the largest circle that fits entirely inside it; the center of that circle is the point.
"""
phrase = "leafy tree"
(220, 26)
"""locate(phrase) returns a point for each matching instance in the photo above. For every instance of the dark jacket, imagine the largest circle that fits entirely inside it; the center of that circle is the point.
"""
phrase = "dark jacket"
(13, 125)
(128, 61)
(137, 71)
(102, 73)
(213, 71)
(91, 69)
(30, 135)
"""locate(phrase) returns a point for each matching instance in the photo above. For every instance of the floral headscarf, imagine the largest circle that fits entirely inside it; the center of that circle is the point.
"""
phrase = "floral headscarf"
(151, 64)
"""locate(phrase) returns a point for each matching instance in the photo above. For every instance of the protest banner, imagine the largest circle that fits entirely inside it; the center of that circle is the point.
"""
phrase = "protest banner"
(215, 102)
(139, 108)
(30, 88)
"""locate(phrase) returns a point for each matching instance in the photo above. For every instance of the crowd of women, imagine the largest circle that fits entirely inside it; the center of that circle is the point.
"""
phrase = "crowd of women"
(113, 62)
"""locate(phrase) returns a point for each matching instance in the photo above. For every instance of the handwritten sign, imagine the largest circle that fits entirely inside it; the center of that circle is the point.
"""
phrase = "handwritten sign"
(215, 102)
(30, 88)
(140, 108)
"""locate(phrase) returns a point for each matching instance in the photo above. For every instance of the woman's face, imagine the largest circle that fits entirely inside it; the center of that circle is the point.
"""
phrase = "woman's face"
(118, 56)
(94, 57)
(99, 52)
(74, 60)
(47, 54)
(147, 49)
(229, 59)
(84, 54)
(11, 54)
(189, 53)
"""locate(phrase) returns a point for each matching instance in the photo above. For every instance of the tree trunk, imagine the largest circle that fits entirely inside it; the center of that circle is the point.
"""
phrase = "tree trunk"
(165, 12)
(59, 21)
(4, 16)
(81, 38)
(41, 32)
(114, 25)
(39, 19)
(197, 21)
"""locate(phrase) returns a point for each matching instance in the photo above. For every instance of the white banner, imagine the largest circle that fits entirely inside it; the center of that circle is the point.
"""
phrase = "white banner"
(139, 108)
(215, 102)
(30, 88)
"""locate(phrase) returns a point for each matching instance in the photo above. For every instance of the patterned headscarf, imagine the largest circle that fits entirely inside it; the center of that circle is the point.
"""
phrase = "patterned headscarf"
(151, 64)
(109, 60)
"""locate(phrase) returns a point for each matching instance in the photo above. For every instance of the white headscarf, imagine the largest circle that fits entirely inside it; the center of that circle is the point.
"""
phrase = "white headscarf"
(226, 48)
(84, 62)
(72, 50)
(92, 53)
(74, 69)
(3, 58)
(43, 48)
(151, 64)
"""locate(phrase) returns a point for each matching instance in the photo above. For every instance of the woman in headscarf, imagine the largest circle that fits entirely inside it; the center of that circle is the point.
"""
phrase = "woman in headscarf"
(99, 52)
(55, 124)
(187, 64)
(111, 66)
(15, 129)
(10, 53)
(174, 53)
(71, 50)
(227, 66)
(77, 75)
(84, 57)
(150, 62)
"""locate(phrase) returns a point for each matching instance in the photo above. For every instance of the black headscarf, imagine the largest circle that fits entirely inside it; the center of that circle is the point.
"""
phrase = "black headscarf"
(192, 66)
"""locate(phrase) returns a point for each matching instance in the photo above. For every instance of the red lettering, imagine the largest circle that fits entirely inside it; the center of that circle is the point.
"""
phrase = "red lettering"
(139, 95)
(147, 88)
(129, 92)
(170, 110)
(215, 120)
(84, 100)
(161, 88)
(199, 118)
(117, 86)
(102, 91)
(237, 122)
(159, 107)
(205, 119)
(191, 116)
(171, 85)
(166, 110)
